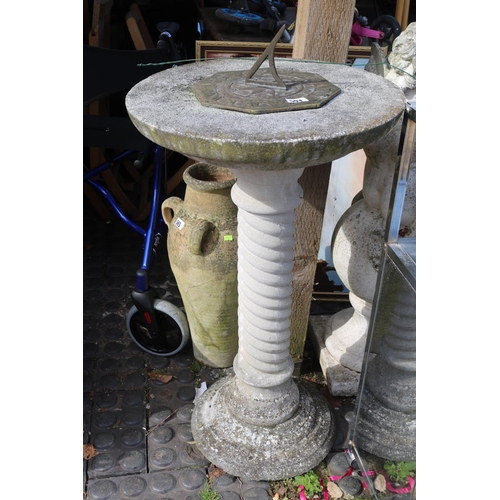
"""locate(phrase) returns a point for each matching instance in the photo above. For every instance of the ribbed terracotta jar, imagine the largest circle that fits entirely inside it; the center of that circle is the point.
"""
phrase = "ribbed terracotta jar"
(202, 249)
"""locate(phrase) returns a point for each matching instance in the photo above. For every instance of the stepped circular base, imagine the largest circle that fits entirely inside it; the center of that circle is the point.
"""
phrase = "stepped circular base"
(386, 432)
(263, 453)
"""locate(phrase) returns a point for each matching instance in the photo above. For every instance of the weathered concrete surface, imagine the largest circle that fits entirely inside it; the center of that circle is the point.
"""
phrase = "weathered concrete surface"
(356, 249)
(165, 109)
(341, 380)
(255, 452)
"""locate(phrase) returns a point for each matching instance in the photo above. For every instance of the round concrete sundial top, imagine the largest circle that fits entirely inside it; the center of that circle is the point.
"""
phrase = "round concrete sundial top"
(165, 109)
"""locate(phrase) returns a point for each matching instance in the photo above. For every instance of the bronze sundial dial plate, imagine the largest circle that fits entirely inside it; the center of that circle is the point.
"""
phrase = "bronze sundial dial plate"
(259, 91)
(232, 90)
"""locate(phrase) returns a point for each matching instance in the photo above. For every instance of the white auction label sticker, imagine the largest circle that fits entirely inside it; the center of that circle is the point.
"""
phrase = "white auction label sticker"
(179, 223)
(299, 99)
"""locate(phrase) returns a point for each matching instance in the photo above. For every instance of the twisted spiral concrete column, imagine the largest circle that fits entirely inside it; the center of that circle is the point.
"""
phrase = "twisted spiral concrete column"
(266, 204)
(252, 424)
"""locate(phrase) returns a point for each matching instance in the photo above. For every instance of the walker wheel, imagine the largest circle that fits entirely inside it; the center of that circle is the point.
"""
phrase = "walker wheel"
(173, 326)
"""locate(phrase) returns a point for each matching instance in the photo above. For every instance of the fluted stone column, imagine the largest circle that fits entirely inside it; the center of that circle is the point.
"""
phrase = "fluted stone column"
(262, 423)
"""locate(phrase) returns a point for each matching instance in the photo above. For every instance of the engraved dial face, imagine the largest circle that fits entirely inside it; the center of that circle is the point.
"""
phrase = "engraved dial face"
(232, 90)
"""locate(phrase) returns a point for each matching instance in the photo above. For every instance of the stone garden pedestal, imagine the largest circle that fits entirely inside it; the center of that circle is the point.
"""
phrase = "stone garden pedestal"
(261, 423)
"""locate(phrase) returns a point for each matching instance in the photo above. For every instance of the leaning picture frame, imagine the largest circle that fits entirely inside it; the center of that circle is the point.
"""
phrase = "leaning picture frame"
(208, 49)
(228, 49)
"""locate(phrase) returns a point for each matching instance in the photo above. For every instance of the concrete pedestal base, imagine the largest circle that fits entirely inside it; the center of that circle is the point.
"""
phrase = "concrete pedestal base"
(386, 432)
(341, 381)
(262, 452)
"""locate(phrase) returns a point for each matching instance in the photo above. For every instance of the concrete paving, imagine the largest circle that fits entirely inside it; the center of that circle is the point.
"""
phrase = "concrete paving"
(139, 425)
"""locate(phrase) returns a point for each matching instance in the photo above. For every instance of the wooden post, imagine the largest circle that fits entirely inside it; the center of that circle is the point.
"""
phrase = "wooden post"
(322, 33)
(138, 29)
(323, 30)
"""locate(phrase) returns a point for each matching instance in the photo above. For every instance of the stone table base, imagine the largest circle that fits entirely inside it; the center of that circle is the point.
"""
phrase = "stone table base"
(270, 452)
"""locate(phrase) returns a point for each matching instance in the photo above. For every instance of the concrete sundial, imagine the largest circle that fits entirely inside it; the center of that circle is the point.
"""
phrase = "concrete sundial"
(262, 423)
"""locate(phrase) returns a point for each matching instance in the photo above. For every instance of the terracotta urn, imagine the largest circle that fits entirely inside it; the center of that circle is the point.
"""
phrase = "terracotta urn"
(202, 248)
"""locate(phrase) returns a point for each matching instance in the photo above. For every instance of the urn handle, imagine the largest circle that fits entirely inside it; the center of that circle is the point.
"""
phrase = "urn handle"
(169, 207)
(200, 229)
